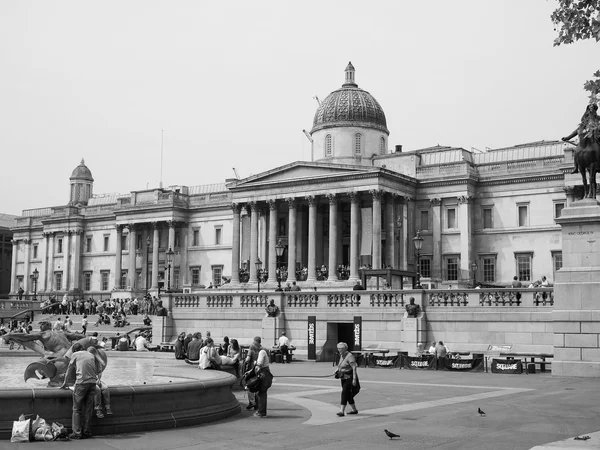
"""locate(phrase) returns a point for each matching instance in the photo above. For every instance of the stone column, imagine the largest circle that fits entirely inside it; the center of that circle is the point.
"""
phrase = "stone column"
(42, 281)
(436, 218)
(67, 260)
(155, 245)
(390, 231)
(354, 233)
(235, 245)
(118, 252)
(292, 215)
(145, 258)
(376, 228)
(312, 238)
(253, 241)
(171, 246)
(131, 274)
(26, 273)
(13, 268)
(272, 241)
(76, 260)
(466, 237)
(333, 237)
(184, 270)
(50, 283)
(405, 236)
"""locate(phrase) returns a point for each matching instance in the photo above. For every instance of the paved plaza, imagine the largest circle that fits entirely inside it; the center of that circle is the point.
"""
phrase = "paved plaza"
(428, 409)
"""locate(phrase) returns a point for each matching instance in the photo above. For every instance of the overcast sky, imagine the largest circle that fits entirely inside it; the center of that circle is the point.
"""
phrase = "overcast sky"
(232, 84)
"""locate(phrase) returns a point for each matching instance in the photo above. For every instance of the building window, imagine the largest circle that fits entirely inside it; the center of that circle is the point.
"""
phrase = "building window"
(177, 239)
(523, 261)
(358, 144)
(104, 280)
(58, 281)
(35, 251)
(196, 238)
(138, 279)
(382, 146)
(217, 272)
(452, 268)
(124, 242)
(175, 284)
(218, 233)
(138, 241)
(87, 281)
(487, 218)
(88, 245)
(195, 276)
(424, 219)
(451, 218)
(425, 267)
(123, 280)
(489, 269)
(558, 207)
(523, 212)
(106, 242)
(59, 248)
(328, 146)
(557, 263)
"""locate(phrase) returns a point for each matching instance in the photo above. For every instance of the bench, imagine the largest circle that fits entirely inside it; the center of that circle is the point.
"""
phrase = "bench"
(537, 359)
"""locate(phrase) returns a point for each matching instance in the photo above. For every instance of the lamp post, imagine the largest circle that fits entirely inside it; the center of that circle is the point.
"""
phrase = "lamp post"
(418, 241)
(36, 274)
(169, 254)
(148, 241)
(279, 248)
(474, 269)
(258, 265)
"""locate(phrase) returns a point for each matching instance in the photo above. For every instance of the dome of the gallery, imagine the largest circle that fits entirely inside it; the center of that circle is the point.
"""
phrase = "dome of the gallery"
(81, 172)
(349, 106)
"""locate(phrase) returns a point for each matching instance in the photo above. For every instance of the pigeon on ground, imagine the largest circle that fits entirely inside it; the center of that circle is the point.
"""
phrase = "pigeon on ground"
(390, 434)
(481, 413)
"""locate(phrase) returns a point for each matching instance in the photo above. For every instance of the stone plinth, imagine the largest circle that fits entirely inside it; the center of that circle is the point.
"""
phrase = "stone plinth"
(414, 331)
(272, 328)
(576, 314)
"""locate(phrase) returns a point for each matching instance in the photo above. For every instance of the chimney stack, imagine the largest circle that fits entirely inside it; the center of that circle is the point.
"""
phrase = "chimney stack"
(398, 148)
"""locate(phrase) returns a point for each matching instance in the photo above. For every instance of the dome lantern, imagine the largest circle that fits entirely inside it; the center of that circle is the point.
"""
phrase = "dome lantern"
(82, 184)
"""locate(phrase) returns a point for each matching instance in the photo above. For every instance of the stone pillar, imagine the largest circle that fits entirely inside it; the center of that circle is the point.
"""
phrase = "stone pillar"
(312, 238)
(292, 216)
(235, 245)
(50, 284)
(391, 243)
(576, 308)
(184, 269)
(145, 258)
(26, 259)
(405, 237)
(376, 228)
(67, 260)
(131, 274)
(354, 233)
(466, 236)
(155, 245)
(436, 238)
(272, 241)
(253, 241)
(76, 263)
(118, 254)
(43, 280)
(170, 246)
(13, 267)
(333, 237)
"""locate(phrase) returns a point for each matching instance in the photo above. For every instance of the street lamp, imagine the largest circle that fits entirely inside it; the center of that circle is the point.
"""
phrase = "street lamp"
(169, 254)
(36, 274)
(258, 265)
(474, 269)
(279, 248)
(148, 241)
(418, 241)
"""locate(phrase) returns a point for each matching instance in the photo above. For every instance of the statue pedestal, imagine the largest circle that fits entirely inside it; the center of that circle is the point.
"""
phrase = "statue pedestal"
(162, 329)
(414, 331)
(576, 313)
(272, 328)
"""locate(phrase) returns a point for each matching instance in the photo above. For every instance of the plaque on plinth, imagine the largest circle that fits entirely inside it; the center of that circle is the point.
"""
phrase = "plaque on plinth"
(414, 331)
(576, 308)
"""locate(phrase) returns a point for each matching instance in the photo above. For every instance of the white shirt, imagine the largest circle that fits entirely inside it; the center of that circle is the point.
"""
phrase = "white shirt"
(140, 344)
(263, 359)
(283, 340)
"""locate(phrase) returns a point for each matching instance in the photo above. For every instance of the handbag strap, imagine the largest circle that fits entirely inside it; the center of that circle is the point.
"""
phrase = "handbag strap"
(342, 361)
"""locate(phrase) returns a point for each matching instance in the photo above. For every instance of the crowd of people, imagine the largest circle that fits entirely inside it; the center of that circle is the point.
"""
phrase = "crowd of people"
(145, 305)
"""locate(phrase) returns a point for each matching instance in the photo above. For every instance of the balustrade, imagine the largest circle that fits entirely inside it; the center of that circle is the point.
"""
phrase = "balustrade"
(343, 299)
(219, 301)
(254, 300)
(448, 298)
(307, 300)
(386, 299)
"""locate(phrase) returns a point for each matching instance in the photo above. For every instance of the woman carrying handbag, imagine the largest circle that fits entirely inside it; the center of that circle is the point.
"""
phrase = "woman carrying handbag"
(348, 375)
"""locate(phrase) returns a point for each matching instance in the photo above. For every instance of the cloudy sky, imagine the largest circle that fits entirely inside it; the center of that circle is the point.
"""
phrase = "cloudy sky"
(232, 84)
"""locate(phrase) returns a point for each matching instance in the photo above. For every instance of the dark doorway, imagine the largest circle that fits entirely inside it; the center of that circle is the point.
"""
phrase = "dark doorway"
(337, 332)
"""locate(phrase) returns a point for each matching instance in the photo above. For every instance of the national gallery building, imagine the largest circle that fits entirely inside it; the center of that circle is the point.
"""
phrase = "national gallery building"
(484, 217)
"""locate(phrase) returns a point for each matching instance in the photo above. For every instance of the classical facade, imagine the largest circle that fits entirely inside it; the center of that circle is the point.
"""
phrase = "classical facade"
(484, 217)
(7, 222)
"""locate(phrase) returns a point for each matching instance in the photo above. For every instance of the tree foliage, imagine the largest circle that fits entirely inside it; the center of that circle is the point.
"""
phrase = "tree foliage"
(577, 20)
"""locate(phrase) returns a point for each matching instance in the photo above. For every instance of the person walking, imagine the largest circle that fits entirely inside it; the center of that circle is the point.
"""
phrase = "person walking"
(284, 345)
(261, 368)
(347, 372)
(83, 364)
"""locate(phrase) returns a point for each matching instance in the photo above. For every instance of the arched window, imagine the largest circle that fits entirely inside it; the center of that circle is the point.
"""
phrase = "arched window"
(328, 146)
(358, 144)
(382, 146)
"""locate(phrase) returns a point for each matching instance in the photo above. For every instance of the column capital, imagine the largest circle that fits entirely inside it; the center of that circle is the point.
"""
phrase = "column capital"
(291, 201)
(26, 241)
(236, 208)
(119, 227)
(464, 199)
(154, 225)
(14, 242)
(377, 194)
(272, 204)
(333, 199)
(77, 231)
(48, 233)
(435, 201)
(253, 206)
(354, 196)
(311, 200)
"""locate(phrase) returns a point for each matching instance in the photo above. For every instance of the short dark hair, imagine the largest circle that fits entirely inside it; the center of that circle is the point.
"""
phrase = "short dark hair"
(77, 347)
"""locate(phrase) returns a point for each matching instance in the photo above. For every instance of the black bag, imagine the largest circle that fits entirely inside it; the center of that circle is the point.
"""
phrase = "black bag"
(337, 374)
(252, 382)
(356, 389)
